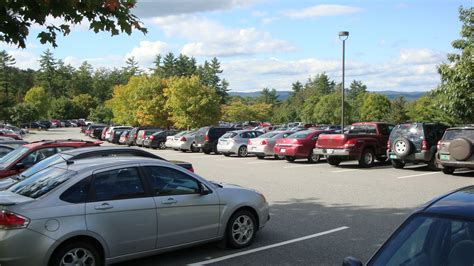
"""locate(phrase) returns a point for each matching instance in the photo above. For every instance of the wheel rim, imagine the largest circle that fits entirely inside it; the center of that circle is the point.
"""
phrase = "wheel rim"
(368, 158)
(78, 257)
(162, 145)
(400, 146)
(243, 151)
(314, 157)
(242, 230)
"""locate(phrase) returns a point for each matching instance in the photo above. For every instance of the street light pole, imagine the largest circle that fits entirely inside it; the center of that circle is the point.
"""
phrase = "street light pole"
(343, 35)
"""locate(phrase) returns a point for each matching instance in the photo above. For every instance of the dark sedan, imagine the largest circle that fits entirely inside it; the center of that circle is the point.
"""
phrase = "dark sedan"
(158, 139)
(440, 233)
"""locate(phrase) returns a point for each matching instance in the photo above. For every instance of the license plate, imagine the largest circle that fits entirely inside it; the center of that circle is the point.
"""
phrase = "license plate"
(330, 151)
(282, 150)
(393, 156)
(444, 157)
(254, 148)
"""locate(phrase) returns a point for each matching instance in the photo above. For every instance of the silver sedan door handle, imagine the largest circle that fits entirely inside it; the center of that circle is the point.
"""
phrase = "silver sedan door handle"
(104, 206)
(169, 201)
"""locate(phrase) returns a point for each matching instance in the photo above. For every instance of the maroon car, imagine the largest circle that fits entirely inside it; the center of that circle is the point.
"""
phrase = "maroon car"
(299, 145)
(10, 134)
(27, 155)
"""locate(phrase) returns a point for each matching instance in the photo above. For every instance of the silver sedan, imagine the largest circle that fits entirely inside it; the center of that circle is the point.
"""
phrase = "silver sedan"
(186, 142)
(235, 142)
(91, 212)
(263, 145)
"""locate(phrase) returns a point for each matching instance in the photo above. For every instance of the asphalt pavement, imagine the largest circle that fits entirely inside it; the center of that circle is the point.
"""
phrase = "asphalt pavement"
(319, 213)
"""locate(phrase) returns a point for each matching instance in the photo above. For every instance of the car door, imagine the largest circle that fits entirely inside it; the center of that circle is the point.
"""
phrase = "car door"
(121, 212)
(184, 214)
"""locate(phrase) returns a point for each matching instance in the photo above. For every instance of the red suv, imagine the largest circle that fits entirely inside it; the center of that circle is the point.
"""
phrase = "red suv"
(27, 155)
(9, 134)
(299, 145)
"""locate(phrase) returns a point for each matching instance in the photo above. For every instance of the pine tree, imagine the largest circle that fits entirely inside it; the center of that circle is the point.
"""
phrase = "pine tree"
(398, 114)
(47, 73)
(169, 66)
(6, 91)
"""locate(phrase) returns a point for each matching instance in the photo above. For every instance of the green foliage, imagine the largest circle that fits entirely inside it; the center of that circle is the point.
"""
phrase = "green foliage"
(82, 105)
(426, 109)
(457, 76)
(24, 112)
(398, 113)
(268, 96)
(239, 111)
(101, 114)
(375, 107)
(62, 108)
(328, 109)
(6, 90)
(18, 17)
(38, 98)
(190, 104)
(149, 101)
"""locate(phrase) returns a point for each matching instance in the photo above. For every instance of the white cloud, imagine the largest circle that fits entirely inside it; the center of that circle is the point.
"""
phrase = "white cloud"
(417, 72)
(109, 61)
(50, 20)
(209, 38)
(24, 59)
(146, 51)
(162, 8)
(322, 11)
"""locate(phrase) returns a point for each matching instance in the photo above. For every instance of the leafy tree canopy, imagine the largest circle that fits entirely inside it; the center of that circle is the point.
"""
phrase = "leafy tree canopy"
(18, 16)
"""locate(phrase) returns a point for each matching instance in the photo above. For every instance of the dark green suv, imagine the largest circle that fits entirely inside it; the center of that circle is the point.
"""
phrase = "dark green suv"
(414, 142)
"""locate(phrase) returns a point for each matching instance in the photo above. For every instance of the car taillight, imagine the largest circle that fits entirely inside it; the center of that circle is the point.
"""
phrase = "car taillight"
(9, 220)
(350, 144)
(135, 136)
(439, 145)
(264, 142)
(206, 138)
(389, 145)
(182, 139)
(249, 142)
(152, 137)
(424, 145)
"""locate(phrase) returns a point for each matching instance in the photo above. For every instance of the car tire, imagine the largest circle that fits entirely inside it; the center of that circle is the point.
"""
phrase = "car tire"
(333, 160)
(313, 158)
(260, 157)
(432, 164)
(448, 170)
(398, 164)
(290, 158)
(367, 158)
(76, 250)
(242, 151)
(402, 147)
(206, 151)
(194, 148)
(381, 159)
(241, 229)
(277, 157)
(161, 145)
(183, 150)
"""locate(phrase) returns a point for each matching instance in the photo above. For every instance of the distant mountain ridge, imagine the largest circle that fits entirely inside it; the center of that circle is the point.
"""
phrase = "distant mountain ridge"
(283, 95)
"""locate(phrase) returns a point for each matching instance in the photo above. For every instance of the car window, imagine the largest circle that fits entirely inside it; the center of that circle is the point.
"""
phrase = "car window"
(38, 156)
(42, 182)
(167, 181)
(410, 131)
(459, 133)
(4, 151)
(13, 156)
(371, 129)
(52, 160)
(117, 184)
(269, 135)
(299, 135)
(423, 240)
(60, 149)
(77, 193)
(230, 135)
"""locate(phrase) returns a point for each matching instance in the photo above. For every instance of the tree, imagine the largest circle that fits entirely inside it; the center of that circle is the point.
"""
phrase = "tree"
(82, 79)
(328, 109)
(82, 105)
(38, 98)
(18, 17)
(6, 89)
(375, 107)
(398, 113)
(457, 76)
(426, 109)
(62, 108)
(24, 112)
(355, 89)
(47, 73)
(190, 104)
(132, 68)
(320, 85)
(268, 96)
(169, 69)
(236, 111)
(149, 102)
(296, 87)
(101, 114)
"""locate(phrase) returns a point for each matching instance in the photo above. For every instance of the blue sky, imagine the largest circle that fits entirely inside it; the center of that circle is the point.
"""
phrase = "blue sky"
(393, 45)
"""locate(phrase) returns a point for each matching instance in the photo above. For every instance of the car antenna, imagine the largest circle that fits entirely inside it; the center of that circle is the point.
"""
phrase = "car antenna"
(68, 162)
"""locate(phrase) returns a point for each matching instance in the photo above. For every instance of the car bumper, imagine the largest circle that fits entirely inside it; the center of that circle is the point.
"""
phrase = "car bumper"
(23, 247)
(424, 156)
(348, 153)
(232, 148)
(263, 150)
(446, 161)
(290, 151)
(182, 145)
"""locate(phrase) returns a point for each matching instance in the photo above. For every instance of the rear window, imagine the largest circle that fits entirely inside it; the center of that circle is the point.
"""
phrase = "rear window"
(299, 135)
(410, 131)
(362, 129)
(459, 133)
(229, 135)
(42, 182)
(52, 160)
(269, 135)
(149, 132)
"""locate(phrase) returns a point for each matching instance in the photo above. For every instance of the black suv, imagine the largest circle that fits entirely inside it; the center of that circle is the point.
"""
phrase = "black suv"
(206, 138)
(414, 142)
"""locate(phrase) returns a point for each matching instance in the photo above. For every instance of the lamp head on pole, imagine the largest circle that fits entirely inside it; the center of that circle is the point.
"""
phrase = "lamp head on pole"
(343, 35)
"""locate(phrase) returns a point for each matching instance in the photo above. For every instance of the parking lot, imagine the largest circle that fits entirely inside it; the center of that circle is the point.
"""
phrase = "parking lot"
(319, 213)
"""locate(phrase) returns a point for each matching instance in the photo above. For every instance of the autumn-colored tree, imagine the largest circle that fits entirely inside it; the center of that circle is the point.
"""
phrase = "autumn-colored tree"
(191, 104)
(38, 98)
(149, 102)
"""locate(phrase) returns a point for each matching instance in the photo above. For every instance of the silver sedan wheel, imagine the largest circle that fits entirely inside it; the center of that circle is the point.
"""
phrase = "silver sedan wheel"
(78, 257)
(242, 229)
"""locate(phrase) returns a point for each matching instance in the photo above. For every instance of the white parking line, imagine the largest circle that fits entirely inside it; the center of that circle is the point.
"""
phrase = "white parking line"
(299, 166)
(259, 162)
(408, 176)
(238, 254)
(345, 170)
